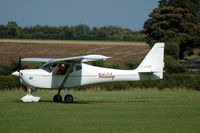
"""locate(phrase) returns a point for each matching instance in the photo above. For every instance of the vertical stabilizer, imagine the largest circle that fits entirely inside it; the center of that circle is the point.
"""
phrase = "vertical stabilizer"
(154, 61)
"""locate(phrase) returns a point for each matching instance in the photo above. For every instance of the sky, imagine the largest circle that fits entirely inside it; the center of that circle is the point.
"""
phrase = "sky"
(124, 13)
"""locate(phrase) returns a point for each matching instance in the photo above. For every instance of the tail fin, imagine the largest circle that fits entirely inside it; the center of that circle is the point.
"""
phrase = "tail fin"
(154, 61)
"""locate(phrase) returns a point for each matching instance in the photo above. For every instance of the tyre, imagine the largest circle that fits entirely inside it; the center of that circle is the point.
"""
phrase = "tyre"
(69, 98)
(57, 98)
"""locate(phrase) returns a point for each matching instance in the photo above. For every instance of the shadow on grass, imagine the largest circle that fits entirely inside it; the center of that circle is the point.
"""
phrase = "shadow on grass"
(49, 101)
(85, 102)
(138, 101)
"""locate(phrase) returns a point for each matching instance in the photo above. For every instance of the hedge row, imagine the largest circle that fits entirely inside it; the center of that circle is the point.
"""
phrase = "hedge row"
(8, 82)
(170, 81)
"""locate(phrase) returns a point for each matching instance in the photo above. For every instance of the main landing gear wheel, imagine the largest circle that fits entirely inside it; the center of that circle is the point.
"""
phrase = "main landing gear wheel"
(57, 98)
(69, 98)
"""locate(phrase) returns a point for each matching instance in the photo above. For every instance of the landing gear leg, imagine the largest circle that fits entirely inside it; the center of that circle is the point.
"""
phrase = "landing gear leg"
(28, 90)
(58, 98)
(68, 98)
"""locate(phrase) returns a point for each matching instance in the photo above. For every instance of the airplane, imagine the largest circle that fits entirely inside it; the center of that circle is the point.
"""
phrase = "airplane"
(64, 73)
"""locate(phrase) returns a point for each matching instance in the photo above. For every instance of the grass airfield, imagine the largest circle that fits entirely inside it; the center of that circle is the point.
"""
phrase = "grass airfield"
(102, 112)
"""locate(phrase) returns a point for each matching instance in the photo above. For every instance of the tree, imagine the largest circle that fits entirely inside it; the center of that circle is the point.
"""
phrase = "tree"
(12, 30)
(81, 31)
(171, 24)
(172, 49)
(192, 5)
(3, 33)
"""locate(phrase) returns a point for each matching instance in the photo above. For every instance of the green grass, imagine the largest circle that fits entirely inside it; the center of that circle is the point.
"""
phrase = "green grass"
(102, 112)
(191, 57)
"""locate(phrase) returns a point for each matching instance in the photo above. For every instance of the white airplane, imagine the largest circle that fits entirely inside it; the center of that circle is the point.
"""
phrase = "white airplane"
(71, 72)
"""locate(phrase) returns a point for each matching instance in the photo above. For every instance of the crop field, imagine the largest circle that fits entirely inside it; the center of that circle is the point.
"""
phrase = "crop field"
(102, 112)
(120, 51)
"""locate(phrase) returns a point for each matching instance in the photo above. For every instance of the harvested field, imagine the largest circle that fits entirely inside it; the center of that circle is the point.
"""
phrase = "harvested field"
(120, 51)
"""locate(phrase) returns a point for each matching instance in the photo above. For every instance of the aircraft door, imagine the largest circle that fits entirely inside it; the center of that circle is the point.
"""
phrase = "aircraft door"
(60, 73)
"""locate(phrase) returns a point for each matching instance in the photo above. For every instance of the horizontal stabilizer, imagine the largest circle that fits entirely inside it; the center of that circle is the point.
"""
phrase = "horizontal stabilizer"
(150, 71)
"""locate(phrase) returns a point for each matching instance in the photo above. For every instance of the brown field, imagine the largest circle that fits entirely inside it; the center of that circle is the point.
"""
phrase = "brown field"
(120, 51)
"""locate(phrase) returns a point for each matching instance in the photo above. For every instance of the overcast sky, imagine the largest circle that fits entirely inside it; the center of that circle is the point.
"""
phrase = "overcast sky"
(125, 13)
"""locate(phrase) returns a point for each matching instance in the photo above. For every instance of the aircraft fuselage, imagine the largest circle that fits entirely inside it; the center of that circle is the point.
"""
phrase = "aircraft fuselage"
(82, 74)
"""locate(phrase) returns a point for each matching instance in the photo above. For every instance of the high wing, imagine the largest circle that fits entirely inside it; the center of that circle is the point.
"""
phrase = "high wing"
(37, 59)
(85, 58)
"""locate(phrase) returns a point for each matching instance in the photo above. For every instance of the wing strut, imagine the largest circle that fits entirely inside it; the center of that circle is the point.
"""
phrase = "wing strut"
(67, 75)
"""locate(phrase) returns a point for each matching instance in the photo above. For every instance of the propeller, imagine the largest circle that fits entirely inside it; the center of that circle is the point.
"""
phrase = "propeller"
(26, 89)
(19, 65)
(19, 75)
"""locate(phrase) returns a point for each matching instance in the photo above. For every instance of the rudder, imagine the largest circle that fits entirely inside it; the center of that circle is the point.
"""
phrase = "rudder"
(154, 61)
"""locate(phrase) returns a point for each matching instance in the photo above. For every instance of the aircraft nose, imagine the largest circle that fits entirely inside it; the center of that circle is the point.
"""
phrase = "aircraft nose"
(16, 73)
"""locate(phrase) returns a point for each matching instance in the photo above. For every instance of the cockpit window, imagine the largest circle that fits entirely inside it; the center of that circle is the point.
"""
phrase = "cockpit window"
(49, 66)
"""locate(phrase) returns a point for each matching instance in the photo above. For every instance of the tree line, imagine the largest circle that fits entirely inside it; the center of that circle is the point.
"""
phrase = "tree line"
(79, 32)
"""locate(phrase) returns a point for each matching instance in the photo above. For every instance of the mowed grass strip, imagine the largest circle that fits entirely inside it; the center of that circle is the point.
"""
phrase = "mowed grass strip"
(78, 42)
(102, 112)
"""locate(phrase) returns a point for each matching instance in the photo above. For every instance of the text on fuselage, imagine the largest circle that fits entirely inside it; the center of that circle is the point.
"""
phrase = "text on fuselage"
(106, 75)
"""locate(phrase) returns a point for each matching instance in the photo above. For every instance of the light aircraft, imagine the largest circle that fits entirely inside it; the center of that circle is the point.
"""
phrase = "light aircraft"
(71, 72)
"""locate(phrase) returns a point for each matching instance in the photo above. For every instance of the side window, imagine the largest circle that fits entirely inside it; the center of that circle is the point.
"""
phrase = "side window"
(78, 67)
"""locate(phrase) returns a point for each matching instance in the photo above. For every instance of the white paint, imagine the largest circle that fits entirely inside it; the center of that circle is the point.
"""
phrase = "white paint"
(30, 98)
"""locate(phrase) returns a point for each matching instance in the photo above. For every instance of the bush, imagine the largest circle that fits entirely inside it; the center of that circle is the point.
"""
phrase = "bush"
(9, 82)
(172, 65)
(6, 70)
(133, 64)
(170, 81)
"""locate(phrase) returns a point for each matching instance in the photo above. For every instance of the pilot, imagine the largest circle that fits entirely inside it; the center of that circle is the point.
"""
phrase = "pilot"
(62, 70)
